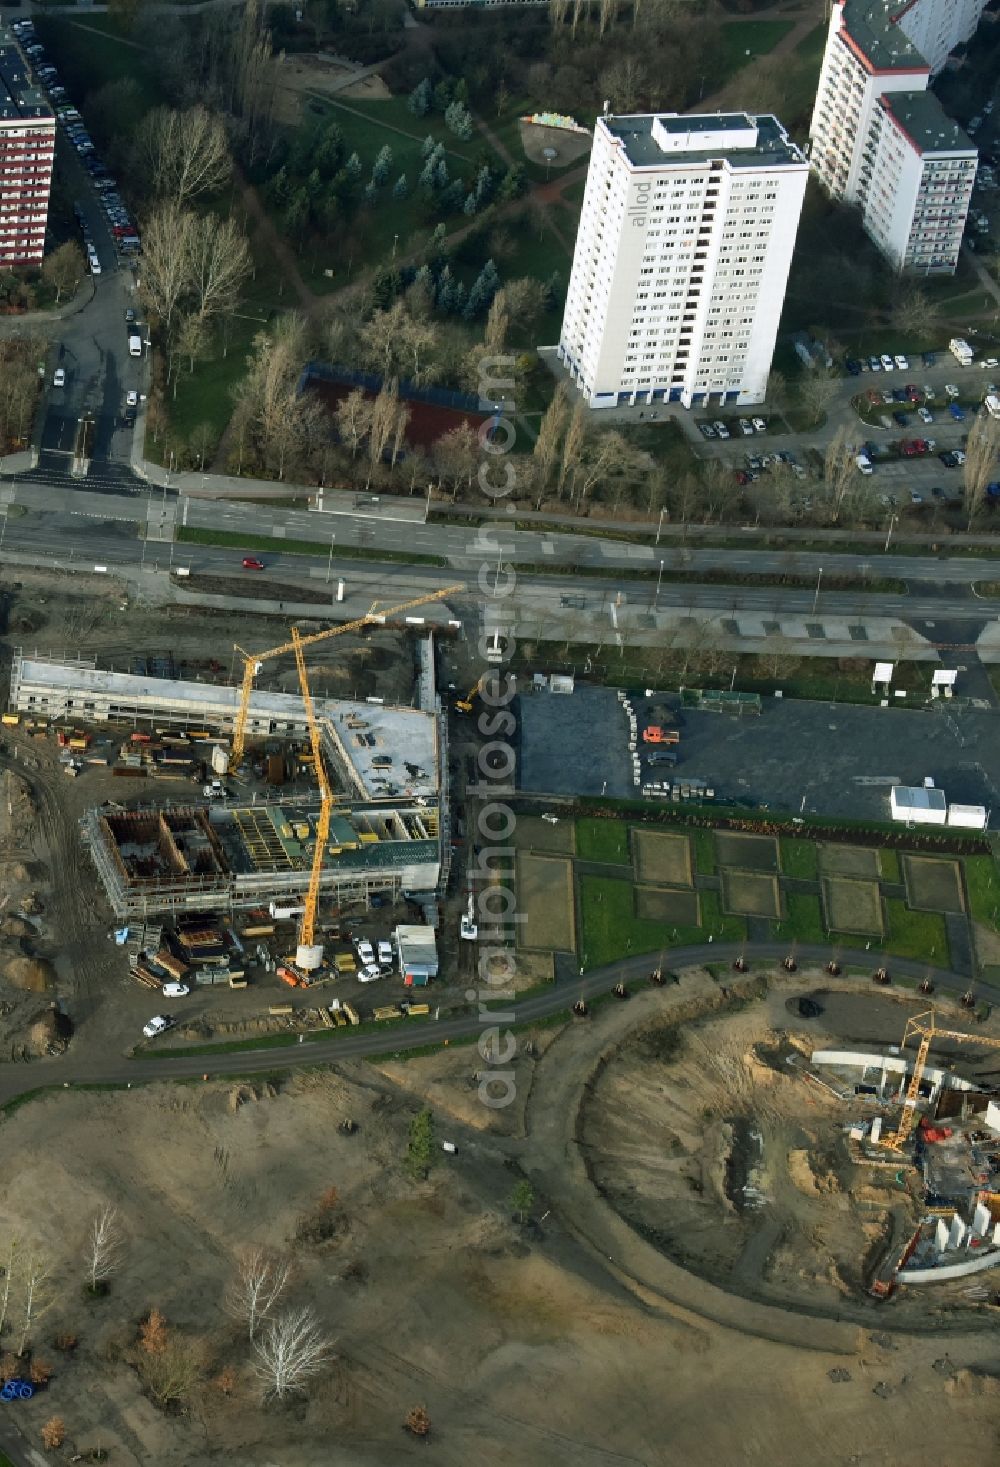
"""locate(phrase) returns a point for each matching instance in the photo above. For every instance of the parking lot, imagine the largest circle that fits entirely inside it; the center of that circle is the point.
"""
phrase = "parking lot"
(812, 758)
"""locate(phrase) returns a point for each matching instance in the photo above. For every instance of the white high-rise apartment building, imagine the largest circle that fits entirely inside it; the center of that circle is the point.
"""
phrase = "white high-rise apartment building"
(682, 258)
(882, 141)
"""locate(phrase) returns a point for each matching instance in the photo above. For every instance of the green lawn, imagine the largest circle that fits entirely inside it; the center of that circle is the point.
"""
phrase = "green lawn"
(919, 935)
(889, 866)
(982, 886)
(611, 930)
(738, 37)
(804, 922)
(704, 852)
(91, 51)
(798, 858)
(602, 840)
(189, 535)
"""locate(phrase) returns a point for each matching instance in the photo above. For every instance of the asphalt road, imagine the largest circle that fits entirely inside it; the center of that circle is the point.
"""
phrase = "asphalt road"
(16, 1081)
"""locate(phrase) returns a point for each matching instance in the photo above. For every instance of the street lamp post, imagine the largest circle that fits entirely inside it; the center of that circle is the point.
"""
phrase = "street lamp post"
(659, 526)
(329, 560)
(659, 578)
(892, 522)
(819, 578)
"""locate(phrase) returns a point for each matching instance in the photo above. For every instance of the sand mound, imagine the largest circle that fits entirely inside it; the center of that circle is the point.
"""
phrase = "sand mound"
(44, 1036)
(16, 927)
(967, 1383)
(33, 975)
(802, 1174)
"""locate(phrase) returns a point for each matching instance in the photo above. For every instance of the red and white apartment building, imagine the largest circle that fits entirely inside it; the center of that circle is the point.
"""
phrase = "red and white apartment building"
(27, 147)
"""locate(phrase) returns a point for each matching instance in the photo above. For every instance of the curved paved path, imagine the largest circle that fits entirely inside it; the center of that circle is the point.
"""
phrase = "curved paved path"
(17, 1080)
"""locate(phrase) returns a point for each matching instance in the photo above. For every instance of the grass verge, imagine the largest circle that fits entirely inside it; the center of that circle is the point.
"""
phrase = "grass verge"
(611, 930)
(602, 840)
(191, 535)
(271, 1041)
(799, 858)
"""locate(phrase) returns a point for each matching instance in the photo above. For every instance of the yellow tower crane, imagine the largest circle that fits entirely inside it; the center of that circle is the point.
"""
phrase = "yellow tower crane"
(924, 1025)
(253, 661)
(309, 953)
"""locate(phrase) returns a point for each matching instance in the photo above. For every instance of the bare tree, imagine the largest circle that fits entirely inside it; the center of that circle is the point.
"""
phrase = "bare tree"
(840, 469)
(497, 323)
(572, 447)
(609, 13)
(290, 1352)
(185, 154)
(385, 415)
(816, 392)
(8, 1276)
(37, 1299)
(166, 257)
(105, 1248)
(261, 1280)
(624, 82)
(353, 416)
(550, 432)
(219, 262)
(980, 467)
(64, 269)
(914, 313)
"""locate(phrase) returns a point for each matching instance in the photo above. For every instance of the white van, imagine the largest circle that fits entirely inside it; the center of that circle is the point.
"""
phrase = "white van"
(135, 346)
(864, 464)
(992, 405)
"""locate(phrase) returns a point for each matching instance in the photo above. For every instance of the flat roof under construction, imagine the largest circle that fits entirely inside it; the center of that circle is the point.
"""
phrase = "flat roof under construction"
(391, 750)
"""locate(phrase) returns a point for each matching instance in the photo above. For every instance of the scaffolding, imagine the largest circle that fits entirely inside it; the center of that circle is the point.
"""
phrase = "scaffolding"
(169, 860)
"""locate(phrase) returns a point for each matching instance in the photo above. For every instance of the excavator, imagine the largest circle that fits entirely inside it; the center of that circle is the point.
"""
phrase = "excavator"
(467, 704)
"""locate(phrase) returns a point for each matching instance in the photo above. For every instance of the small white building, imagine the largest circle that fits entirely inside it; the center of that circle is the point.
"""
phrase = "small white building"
(917, 805)
(968, 817)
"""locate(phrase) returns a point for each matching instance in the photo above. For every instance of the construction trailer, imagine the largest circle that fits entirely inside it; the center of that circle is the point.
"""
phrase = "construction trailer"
(918, 804)
(418, 957)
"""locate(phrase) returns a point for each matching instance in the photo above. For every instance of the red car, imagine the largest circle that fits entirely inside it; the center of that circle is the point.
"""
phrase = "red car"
(250, 563)
(913, 392)
(908, 448)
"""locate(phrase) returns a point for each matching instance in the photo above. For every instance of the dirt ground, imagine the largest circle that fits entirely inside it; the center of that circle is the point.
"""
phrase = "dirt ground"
(739, 1167)
(299, 75)
(522, 1348)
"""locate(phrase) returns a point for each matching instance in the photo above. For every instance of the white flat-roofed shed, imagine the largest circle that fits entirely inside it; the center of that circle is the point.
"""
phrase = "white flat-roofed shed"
(917, 805)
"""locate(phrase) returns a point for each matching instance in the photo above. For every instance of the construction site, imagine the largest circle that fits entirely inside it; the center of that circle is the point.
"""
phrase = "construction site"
(294, 807)
(762, 1152)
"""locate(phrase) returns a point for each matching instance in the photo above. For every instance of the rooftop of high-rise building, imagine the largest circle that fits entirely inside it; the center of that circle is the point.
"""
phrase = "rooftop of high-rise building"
(19, 97)
(745, 140)
(873, 25)
(926, 123)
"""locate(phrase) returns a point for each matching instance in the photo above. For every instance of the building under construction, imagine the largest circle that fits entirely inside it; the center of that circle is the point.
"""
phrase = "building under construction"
(188, 858)
(384, 768)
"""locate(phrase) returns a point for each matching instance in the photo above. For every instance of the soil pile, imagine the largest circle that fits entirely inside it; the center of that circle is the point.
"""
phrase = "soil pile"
(32, 975)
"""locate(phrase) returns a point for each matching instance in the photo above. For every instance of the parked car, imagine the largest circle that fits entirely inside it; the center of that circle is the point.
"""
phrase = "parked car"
(720, 428)
(916, 498)
(902, 363)
(901, 419)
(957, 413)
(925, 415)
(874, 364)
(158, 1024)
(385, 951)
(951, 390)
(929, 359)
(887, 363)
(959, 457)
(746, 427)
(250, 562)
(853, 366)
(949, 460)
(760, 425)
(59, 377)
(706, 430)
(369, 973)
(175, 990)
(365, 950)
